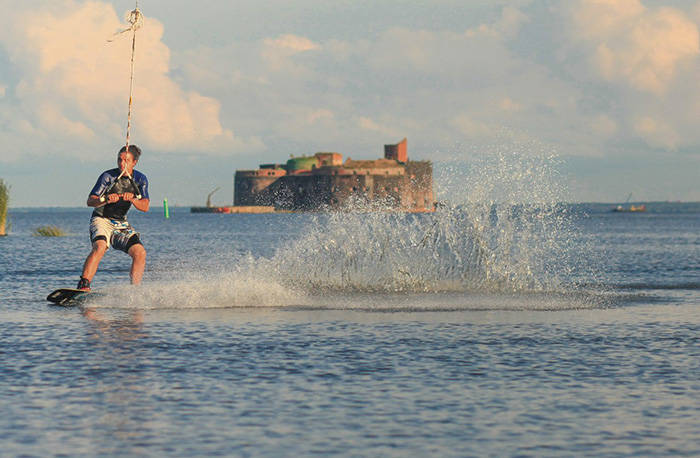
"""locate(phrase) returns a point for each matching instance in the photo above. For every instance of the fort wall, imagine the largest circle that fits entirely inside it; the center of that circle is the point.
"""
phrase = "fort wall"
(323, 181)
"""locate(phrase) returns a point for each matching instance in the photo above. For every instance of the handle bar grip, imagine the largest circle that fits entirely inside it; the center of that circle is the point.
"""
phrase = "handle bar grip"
(102, 198)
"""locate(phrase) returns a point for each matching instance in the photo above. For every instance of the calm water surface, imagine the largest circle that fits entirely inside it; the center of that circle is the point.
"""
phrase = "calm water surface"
(389, 335)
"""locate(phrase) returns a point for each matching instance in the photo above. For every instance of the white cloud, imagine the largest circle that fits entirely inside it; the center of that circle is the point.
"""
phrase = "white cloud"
(320, 115)
(638, 63)
(508, 105)
(629, 44)
(73, 85)
(657, 132)
(591, 77)
(291, 44)
(52, 119)
(474, 128)
(603, 125)
(369, 124)
(279, 53)
(441, 85)
(507, 26)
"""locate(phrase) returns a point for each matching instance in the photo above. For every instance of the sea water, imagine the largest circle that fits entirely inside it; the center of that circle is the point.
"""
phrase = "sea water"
(478, 330)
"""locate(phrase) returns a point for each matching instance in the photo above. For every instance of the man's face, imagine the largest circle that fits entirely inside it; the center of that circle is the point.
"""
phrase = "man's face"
(126, 161)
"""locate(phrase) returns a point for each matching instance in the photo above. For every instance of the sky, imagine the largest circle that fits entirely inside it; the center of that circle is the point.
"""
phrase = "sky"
(609, 87)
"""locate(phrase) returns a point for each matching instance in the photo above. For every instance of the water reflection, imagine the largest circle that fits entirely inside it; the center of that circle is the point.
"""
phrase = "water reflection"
(126, 325)
(122, 387)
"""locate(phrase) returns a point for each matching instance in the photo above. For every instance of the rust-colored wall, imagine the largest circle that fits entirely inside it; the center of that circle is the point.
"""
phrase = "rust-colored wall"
(419, 175)
(329, 159)
(250, 187)
(397, 152)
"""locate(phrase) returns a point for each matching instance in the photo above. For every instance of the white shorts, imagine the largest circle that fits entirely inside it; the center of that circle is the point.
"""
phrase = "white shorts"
(118, 234)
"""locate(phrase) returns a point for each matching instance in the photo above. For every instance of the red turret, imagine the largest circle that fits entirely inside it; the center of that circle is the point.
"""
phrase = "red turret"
(397, 152)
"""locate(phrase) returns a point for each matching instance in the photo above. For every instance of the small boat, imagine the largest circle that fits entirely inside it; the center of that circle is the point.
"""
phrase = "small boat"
(632, 208)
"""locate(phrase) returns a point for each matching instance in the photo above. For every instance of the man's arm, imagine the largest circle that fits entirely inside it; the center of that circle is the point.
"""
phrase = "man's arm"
(140, 204)
(95, 201)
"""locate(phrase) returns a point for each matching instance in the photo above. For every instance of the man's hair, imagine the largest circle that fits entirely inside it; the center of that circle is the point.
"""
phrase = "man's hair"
(134, 150)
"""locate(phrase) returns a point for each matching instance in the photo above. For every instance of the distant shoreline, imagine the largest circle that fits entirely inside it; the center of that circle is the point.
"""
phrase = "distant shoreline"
(187, 207)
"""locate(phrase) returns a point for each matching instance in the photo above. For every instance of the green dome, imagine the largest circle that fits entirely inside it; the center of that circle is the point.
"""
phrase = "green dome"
(301, 163)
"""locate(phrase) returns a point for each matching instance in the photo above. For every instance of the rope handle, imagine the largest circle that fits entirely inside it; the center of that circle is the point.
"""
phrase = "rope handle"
(131, 179)
(135, 20)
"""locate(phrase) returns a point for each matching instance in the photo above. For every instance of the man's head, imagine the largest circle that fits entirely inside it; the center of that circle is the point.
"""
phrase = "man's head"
(134, 150)
(127, 158)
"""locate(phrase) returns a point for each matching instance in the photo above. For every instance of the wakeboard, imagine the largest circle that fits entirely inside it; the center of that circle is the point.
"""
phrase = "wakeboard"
(69, 296)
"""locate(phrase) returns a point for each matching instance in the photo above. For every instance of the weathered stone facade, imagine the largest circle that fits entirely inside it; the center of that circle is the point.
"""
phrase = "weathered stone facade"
(323, 181)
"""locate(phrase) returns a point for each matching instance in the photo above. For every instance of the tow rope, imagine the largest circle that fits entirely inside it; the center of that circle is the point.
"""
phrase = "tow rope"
(135, 20)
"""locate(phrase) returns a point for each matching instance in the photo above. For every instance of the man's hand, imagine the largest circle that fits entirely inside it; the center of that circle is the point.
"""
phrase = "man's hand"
(111, 198)
(127, 196)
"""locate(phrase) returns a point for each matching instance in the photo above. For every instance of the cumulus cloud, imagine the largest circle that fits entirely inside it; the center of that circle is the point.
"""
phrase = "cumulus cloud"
(592, 77)
(473, 128)
(368, 124)
(508, 105)
(320, 115)
(657, 132)
(603, 125)
(630, 44)
(443, 85)
(638, 63)
(278, 52)
(458, 85)
(73, 85)
(507, 26)
(291, 43)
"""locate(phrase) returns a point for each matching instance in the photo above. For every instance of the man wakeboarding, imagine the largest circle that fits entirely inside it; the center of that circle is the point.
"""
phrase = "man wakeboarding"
(112, 196)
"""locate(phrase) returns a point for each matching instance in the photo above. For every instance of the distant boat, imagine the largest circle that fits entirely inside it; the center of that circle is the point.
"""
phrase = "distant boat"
(631, 208)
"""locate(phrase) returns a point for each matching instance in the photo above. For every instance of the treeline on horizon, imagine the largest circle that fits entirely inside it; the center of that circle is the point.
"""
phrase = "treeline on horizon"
(4, 202)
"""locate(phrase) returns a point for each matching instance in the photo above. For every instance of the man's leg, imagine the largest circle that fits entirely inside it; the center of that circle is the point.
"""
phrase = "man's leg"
(138, 263)
(99, 247)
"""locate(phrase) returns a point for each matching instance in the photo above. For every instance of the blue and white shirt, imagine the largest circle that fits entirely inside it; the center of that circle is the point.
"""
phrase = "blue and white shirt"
(108, 182)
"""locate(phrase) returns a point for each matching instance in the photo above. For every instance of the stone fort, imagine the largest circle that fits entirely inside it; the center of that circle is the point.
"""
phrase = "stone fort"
(324, 181)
